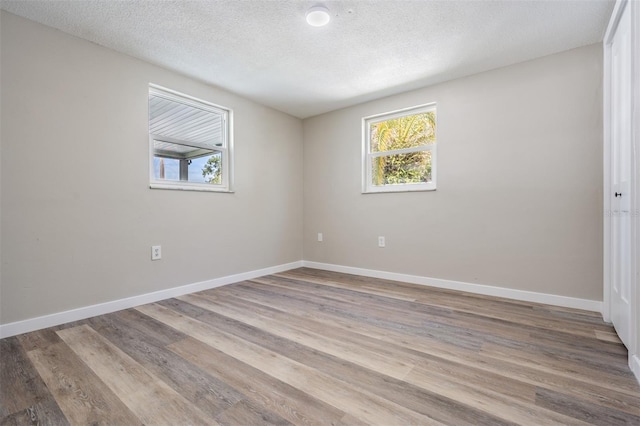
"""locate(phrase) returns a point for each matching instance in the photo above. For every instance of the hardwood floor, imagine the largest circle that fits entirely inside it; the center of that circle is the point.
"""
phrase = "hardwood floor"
(316, 347)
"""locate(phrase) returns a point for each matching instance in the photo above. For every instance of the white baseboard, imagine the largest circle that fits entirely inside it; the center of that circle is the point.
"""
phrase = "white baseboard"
(634, 365)
(526, 296)
(32, 324)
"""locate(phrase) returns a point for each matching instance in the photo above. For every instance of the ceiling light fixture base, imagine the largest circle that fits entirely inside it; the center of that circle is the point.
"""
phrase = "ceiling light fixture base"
(318, 16)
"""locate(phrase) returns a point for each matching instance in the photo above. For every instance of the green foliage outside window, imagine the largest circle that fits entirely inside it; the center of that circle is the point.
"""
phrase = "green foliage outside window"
(401, 133)
(212, 170)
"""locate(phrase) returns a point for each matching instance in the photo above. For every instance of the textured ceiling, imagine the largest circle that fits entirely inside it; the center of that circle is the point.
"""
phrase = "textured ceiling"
(265, 51)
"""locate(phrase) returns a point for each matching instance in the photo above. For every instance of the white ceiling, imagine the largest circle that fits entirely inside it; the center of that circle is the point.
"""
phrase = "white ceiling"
(265, 51)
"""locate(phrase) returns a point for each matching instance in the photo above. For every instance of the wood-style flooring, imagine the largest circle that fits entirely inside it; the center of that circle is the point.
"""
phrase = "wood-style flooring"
(317, 347)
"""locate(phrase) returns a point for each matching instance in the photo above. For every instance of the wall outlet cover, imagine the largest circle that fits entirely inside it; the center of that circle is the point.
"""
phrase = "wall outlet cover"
(156, 252)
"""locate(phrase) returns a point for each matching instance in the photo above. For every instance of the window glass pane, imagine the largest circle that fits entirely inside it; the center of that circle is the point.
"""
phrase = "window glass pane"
(176, 162)
(166, 168)
(409, 131)
(187, 123)
(398, 169)
(207, 169)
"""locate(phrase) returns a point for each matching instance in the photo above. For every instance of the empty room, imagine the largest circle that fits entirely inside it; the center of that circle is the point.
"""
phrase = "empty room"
(297, 212)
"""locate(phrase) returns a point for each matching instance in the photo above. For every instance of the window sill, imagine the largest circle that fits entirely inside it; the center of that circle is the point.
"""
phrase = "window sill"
(181, 186)
(399, 188)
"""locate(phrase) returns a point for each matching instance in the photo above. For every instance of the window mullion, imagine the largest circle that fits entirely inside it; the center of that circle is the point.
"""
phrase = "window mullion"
(403, 151)
(182, 142)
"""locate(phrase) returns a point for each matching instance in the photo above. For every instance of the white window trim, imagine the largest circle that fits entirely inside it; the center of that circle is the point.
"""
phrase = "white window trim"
(226, 149)
(368, 156)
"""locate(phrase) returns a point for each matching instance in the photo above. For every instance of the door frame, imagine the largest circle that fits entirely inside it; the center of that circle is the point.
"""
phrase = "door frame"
(634, 10)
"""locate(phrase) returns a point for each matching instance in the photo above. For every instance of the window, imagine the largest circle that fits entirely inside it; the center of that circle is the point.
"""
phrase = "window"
(399, 150)
(189, 142)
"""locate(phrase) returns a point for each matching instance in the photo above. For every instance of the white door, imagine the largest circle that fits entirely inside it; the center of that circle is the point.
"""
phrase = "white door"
(621, 178)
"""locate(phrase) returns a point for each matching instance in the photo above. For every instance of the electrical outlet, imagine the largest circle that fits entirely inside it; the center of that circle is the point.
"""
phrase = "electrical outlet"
(320, 237)
(156, 252)
(381, 242)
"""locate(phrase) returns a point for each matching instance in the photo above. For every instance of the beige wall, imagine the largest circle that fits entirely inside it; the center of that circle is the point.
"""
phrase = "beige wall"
(518, 203)
(519, 198)
(78, 217)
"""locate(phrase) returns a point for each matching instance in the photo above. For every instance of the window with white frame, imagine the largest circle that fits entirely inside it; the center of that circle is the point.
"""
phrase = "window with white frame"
(189, 142)
(399, 150)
